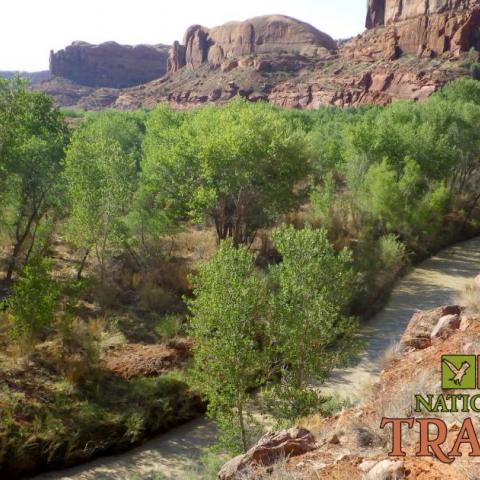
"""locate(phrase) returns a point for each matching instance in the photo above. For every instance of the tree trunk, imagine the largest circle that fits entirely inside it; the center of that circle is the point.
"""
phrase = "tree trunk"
(242, 426)
(82, 264)
(13, 260)
(470, 212)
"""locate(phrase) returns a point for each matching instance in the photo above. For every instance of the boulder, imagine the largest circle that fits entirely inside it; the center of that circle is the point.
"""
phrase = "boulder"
(387, 470)
(271, 447)
(418, 334)
(109, 64)
(477, 281)
(446, 326)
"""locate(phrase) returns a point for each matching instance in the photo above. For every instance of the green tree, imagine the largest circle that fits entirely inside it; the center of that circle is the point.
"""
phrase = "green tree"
(236, 166)
(404, 203)
(309, 329)
(33, 136)
(227, 326)
(32, 302)
(100, 180)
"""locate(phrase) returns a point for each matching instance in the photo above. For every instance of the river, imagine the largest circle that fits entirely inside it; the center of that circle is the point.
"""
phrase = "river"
(171, 456)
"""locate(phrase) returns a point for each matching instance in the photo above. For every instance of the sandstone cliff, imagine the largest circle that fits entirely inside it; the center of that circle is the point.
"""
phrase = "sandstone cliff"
(109, 64)
(424, 27)
(274, 34)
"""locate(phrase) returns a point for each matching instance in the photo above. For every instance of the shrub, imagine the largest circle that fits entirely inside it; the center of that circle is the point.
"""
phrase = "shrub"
(392, 252)
(32, 302)
(156, 298)
(168, 327)
(475, 70)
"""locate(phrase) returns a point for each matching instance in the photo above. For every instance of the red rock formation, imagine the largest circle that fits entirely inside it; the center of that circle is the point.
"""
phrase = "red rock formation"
(290, 63)
(375, 13)
(176, 57)
(109, 64)
(269, 449)
(423, 27)
(275, 34)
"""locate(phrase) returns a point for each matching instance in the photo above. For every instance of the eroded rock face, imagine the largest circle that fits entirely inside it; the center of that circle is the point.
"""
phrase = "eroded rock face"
(176, 57)
(109, 64)
(418, 334)
(274, 34)
(375, 13)
(426, 27)
(268, 450)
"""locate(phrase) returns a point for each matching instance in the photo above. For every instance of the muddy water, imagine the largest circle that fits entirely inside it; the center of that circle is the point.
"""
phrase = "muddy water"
(172, 455)
(433, 283)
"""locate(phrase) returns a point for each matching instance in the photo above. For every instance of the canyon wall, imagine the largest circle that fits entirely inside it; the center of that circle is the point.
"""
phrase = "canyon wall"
(425, 27)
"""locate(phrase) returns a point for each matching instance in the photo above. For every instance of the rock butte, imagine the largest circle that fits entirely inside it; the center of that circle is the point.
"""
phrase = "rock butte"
(409, 50)
(109, 64)
(261, 35)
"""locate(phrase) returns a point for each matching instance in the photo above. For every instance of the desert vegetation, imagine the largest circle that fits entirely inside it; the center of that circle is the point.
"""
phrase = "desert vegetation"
(253, 238)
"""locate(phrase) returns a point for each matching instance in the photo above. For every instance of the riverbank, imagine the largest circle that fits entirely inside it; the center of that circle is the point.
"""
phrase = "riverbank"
(433, 282)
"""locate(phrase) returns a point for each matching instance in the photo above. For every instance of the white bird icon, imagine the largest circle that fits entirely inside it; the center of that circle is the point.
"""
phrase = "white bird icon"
(459, 373)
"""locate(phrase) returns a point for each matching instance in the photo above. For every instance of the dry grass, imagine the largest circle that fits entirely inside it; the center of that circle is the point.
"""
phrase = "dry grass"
(470, 298)
(156, 298)
(466, 467)
(279, 471)
(391, 355)
(194, 244)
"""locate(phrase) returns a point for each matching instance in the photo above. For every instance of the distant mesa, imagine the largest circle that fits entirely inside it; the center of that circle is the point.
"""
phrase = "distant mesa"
(109, 64)
(272, 34)
(33, 77)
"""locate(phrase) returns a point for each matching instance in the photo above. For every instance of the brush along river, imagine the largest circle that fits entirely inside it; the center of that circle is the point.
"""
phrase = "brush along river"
(173, 455)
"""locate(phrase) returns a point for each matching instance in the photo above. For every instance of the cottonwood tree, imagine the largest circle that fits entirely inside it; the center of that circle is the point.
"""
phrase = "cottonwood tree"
(33, 137)
(236, 166)
(126, 129)
(227, 326)
(310, 332)
(100, 180)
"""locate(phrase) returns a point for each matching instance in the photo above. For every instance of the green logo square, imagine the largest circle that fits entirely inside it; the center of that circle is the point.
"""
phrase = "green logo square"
(459, 372)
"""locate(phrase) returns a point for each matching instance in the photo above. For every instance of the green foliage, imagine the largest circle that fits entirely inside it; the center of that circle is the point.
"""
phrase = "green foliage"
(33, 136)
(323, 199)
(392, 252)
(310, 330)
(405, 203)
(32, 302)
(240, 176)
(463, 91)
(228, 320)
(100, 178)
(475, 70)
(168, 327)
(126, 128)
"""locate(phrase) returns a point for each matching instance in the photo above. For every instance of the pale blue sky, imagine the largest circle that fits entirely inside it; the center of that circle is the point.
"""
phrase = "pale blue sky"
(31, 28)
